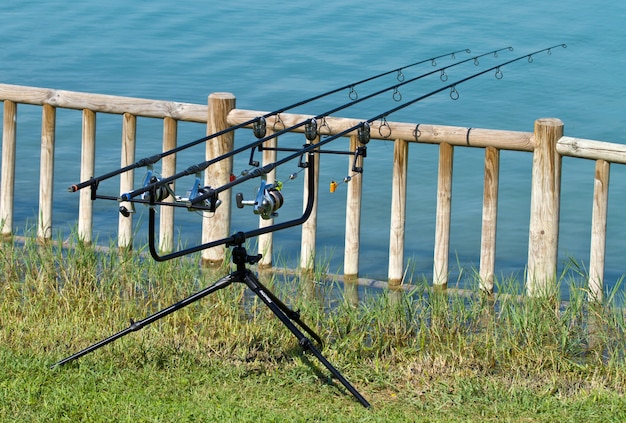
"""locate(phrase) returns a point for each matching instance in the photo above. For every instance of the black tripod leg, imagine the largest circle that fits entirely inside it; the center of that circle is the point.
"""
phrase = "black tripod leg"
(268, 298)
(307, 345)
(135, 326)
(292, 314)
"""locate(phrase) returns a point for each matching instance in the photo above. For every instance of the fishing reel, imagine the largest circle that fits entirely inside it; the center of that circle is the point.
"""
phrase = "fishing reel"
(268, 199)
(160, 193)
(164, 191)
(211, 203)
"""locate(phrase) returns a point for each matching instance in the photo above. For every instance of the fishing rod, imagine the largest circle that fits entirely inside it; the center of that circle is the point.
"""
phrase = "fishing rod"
(260, 130)
(362, 126)
(353, 95)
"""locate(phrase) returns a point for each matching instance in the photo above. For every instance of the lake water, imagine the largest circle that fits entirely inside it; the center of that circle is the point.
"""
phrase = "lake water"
(274, 54)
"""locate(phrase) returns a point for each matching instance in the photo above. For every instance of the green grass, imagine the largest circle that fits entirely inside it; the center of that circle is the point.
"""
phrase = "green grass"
(417, 356)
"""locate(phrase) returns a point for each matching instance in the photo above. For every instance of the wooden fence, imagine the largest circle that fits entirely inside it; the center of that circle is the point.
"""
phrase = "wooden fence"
(547, 144)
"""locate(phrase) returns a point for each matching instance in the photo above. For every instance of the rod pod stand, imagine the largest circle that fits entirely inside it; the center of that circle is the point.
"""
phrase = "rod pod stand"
(289, 318)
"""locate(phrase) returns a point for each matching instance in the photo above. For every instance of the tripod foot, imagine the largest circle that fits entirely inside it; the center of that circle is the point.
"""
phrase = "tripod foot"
(279, 310)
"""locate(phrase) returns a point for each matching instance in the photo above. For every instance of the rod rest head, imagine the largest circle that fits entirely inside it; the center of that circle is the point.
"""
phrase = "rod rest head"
(149, 160)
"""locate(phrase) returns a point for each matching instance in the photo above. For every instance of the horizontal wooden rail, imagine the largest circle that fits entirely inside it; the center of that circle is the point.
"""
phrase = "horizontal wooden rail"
(411, 132)
(590, 149)
(102, 103)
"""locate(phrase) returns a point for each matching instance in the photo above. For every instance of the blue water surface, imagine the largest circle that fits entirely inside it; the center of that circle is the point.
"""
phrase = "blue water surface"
(273, 54)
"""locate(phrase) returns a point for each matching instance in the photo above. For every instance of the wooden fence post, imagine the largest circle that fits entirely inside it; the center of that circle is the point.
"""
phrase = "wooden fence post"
(352, 240)
(166, 213)
(46, 175)
(218, 226)
(398, 213)
(127, 179)
(544, 209)
(489, 220)
(598, 231)
(87, 168)
(444, 207)
(9, 131)
(309, 228)
(353, 218)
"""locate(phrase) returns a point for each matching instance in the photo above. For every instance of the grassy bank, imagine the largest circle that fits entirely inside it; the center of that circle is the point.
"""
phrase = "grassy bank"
(421, 356)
